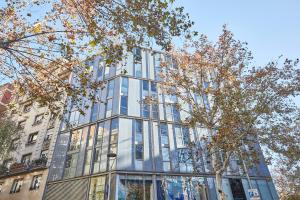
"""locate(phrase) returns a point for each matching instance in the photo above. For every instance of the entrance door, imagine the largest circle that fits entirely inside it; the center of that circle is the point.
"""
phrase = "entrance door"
(237, 189)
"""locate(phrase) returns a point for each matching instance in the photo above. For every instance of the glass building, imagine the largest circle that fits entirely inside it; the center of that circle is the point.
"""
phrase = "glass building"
(127, 150)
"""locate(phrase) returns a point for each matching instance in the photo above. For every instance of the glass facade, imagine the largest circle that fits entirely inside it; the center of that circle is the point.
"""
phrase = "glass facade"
(128, 149)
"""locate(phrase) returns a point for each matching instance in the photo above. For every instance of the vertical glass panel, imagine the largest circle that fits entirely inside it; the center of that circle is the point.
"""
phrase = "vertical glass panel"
(138, 69)
(138, 137)
(87, 163)
(124, 105)
(109, 108)
(113, 141)
(139, 150)
(100, 71)
(135, 190)
(145, 94)
(186, 136)
(75, 140)
(110, 89)
(91, 136)
(165, 154)
(157, 67)
(146, 110)
(97, 188)
(166, 166)
(106, 73)
(273, 190)
(131, 188)
(175, 113)
(169, 112)
(70, 166)
(179, 137)
(97, 159)
(100, 133)
(124, 96)
(155, 111)
(264, 191)
(94, 111)
(149, 191)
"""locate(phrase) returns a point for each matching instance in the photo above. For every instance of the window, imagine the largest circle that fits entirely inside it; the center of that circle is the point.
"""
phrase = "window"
(36, 182)
(21, 125)
(179, 137)
(109, 107)
(14, 144)
(139, 144)
(138, 69)
(52, 120)
(172, 112)
(94, 111)
(154, 96)
(1, 185)
(26, 158)
(38, 119)
(48, 136)
(7, 163)
(70, 166)
(97, 188)
(155, 111)
(137, 54)
(88, 155)
(110, 89)
(98, 148)
(109, 101)
(32, 138)
(27, 108)
(75, 140)
(165, 151)
(16, 186)
(100, 71)
(44, 154)
(124, 96)
(157, 68)
(74, 117)
(145, 94)
(113, 144)
(182, 137)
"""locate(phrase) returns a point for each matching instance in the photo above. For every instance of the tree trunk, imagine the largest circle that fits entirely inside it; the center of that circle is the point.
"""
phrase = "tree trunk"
(219, 188)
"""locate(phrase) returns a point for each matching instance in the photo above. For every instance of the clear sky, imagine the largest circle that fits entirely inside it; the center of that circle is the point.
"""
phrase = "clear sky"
(271, 27)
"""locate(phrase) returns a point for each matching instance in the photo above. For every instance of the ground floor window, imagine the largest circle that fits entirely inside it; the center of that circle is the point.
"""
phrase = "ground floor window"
(97, 188)
(181, 188)
(16, 186)
(135, 188)
(36, 182)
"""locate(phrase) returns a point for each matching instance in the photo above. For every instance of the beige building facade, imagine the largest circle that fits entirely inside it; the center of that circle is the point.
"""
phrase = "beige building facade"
(24, 172)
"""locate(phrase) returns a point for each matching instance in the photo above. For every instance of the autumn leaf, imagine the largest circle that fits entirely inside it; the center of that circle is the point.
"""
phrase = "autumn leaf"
(37, 28)
(51, 38)
(93, 43)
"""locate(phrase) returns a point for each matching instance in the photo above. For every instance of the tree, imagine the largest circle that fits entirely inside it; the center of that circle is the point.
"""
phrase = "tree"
(238, 104)
(42, 42)
(8, 132)
(287, 172)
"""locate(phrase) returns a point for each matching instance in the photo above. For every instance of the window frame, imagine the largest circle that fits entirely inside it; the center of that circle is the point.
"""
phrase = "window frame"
(30, 138)
(16, 186)
(34, 187)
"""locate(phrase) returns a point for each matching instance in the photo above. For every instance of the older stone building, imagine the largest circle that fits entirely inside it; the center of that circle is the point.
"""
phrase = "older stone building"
(24, 172)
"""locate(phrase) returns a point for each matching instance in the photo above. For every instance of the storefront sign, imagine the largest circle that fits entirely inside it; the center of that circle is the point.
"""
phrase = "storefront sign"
(253, 194)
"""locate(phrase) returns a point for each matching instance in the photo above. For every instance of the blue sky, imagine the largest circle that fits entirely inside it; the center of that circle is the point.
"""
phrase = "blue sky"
(271, 27)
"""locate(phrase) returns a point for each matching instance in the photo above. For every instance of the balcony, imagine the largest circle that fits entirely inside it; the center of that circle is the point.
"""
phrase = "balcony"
(46, 144)
(18, 168)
